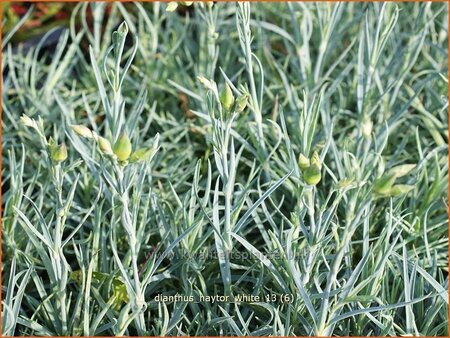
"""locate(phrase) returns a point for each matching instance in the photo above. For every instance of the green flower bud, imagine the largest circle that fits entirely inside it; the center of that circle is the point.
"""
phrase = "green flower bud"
(312, 174)
(123, 29)
(59, 154)
(82, 130)
(401, 170)
(241, 103)
(227, 97)
(401, 189)
(383, 184)
(122, 148)
(315, 159)
(118, 38)
(141, 154)
(104, 145)
(52, 146)
(303, 161)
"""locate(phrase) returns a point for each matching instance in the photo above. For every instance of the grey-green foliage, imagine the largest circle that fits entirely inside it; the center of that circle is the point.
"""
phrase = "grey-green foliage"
(317, 181)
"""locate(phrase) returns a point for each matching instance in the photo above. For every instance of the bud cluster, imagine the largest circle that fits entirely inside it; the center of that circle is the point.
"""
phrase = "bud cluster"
(57, 152)
(122, 150)
(229, 103)
(311, 168)
(384, 185)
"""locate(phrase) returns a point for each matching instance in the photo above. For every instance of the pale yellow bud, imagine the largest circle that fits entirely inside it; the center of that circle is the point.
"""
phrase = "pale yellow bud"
(104, 145)
(303, 161)
(401, 170)
(366, 127)
(82, 130)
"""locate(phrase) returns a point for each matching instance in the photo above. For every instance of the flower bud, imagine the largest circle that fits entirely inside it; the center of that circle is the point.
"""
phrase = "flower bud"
(312, 174)
(82, 130)
(52, 146)
(208, 84)
(122, 148)
(241, 103)
(141, 154)
(118, 38)
(366, 127)
(303, 161)
(401, 189)
(381, 166)
(59, 154)
(104, 145)
(383, 184)
(401, 170)
(315, 159)
(226, 97)
(123, 29)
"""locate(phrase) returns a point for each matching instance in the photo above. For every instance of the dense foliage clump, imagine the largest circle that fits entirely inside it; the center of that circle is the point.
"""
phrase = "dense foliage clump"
(228, 169)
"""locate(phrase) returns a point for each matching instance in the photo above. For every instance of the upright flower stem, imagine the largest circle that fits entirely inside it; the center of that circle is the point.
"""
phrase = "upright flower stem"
(58, 255)
(245, 36)
(227, 180)
(309, 194)
(138, 301)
